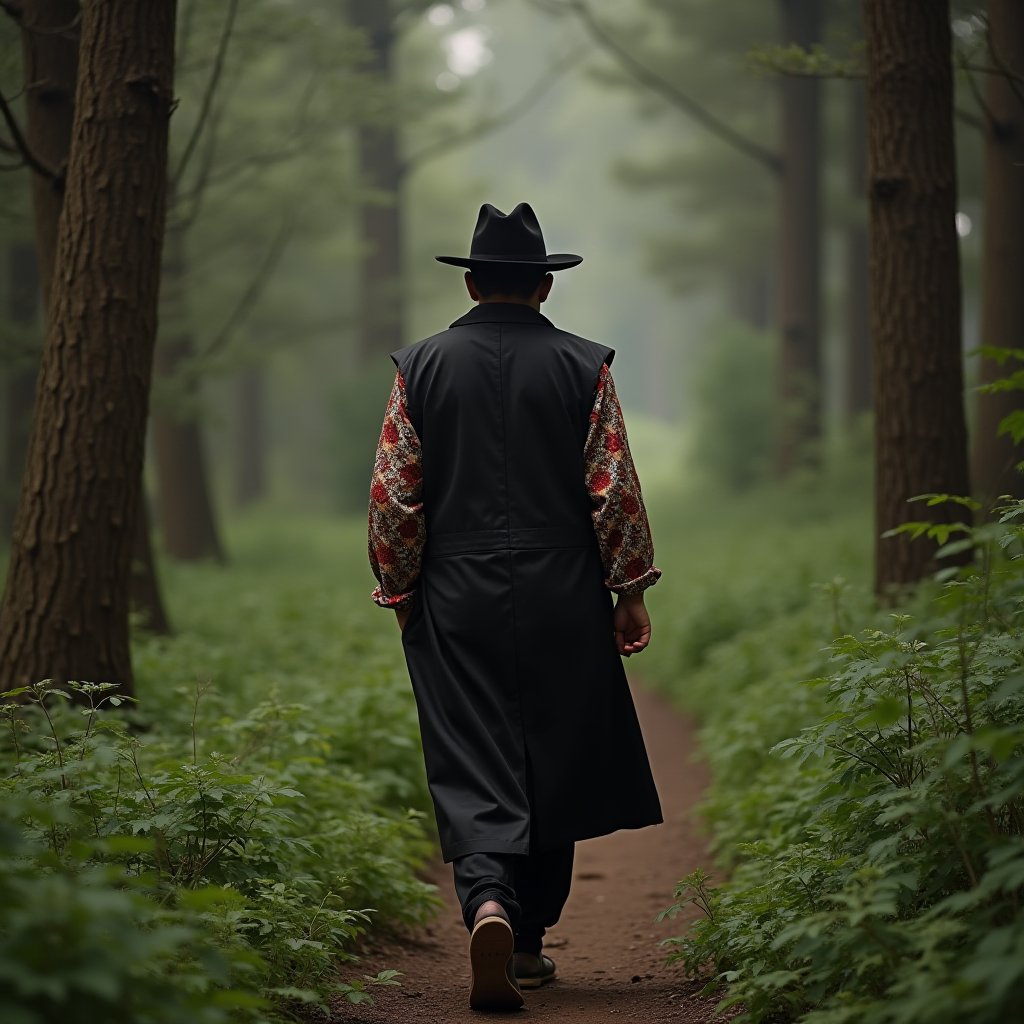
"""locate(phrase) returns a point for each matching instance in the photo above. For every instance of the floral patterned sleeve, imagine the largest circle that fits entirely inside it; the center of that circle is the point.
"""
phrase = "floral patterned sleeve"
(397, 530)
(619, 516)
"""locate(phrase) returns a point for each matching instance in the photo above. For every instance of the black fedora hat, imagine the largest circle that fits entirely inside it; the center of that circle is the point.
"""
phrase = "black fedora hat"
(513, 238)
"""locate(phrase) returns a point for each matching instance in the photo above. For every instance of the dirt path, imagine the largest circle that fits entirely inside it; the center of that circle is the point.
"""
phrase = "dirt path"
(606, 944)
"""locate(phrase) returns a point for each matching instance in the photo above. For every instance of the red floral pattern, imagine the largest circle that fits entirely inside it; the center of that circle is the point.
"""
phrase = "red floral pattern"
(620, 519)
(397, 528)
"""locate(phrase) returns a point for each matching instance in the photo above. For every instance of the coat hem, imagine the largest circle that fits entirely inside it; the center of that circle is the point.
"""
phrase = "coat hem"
(515, 846)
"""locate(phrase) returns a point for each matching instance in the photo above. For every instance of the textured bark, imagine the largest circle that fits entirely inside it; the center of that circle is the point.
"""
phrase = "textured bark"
(65, 607)
(858, 318)
(380, 220)
(20, 385)
(250, 482)
(1002, 317)
(51, 75)
(920, 436)
(800, 265)
(185, 504)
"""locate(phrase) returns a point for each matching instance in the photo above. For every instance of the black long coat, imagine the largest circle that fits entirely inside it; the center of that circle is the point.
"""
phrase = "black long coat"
(529, 732)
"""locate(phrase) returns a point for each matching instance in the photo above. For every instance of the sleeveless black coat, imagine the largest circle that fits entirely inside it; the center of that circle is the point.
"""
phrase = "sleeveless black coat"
(529, 732)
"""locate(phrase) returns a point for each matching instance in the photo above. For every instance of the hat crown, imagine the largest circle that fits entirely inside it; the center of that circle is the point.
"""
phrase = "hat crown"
(516, 234)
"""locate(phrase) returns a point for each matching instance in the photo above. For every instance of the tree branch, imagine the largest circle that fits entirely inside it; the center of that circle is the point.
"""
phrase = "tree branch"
(211, 88)
(255, 288)
(972, 119)
(489, 125)
(666, 89)
(37, 165)
(13, 10)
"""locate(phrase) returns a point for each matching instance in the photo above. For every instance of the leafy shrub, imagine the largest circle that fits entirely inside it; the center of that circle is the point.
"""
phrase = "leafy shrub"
(733, 392)
(221, 846)
(883, 867)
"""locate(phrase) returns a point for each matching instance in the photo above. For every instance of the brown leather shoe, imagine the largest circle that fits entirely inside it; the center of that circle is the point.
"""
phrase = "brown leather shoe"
(532, 970)
(493, 984)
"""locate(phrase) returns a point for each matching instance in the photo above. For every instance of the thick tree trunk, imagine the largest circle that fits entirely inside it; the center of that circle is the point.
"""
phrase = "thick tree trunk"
(65, 607)
(858, 317)
(800, 266)
(51, 75)
(380, 221)
(185, 504)
(20, 385)
(250, 482)
(50, 52)
(920, 436)
(1002, 317)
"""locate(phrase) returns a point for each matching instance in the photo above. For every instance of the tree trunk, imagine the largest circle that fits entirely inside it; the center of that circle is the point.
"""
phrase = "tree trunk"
(185, 506)
(50, 73)
(51, 76)
(380, 289)
(65, 607)
(250, 483)
(920, 436)
(858, 321)
(1002, 317)
(20, 386)
(800, 268)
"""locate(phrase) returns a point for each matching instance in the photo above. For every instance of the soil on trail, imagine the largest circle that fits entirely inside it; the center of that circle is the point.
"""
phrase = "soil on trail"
(606, 944)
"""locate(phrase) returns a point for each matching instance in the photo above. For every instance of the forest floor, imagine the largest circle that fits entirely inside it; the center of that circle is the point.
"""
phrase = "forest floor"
(606, 944)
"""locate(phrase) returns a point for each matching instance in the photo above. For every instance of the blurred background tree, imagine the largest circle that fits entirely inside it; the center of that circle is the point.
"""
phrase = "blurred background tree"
(313, 141)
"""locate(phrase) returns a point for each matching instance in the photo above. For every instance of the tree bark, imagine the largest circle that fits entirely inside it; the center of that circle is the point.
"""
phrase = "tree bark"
(51, 75)
(1002, 314)
(380, 313)
(65, 606)
(185, 505)
(20, 386)
(800, 266)
(920, 435)
(250, 483)
(858, 317)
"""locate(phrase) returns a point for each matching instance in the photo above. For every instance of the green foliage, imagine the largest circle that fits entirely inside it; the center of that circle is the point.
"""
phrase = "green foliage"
(229, 841)
(733, 390)
(358, 412)
(880, 853)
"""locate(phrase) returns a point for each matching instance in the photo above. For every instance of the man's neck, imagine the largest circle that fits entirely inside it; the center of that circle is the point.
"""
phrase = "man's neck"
(518, 300)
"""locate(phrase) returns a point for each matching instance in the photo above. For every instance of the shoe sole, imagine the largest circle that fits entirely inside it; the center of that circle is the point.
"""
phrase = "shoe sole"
(490, 950)
(535, 982)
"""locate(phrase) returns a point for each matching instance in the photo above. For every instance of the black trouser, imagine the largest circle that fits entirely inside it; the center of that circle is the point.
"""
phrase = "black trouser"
(532, 890)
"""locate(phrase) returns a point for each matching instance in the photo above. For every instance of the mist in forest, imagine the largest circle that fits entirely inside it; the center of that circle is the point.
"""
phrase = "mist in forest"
(270, 376)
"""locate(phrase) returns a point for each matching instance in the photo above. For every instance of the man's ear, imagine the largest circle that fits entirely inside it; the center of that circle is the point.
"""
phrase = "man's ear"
(471, 287)
(544, 288)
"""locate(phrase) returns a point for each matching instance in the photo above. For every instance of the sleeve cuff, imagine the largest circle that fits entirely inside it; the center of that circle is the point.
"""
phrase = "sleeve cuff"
(637, 586)
(397, 601)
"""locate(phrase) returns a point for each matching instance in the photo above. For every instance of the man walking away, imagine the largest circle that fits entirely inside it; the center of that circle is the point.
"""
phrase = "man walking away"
(504, 513)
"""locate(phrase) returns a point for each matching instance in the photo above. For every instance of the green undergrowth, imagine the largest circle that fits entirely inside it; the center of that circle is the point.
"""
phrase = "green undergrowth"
(215, 851)
(866, 808)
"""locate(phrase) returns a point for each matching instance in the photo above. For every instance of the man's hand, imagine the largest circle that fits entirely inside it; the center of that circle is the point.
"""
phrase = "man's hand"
(632, 624)
(402, 614)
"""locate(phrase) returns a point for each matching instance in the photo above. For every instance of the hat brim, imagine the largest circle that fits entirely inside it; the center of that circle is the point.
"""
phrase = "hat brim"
(556, 261)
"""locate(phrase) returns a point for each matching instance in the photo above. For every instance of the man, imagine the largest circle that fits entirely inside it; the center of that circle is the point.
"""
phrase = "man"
(504, 512)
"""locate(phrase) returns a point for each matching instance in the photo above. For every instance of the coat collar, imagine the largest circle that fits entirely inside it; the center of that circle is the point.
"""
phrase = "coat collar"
(503, 312)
